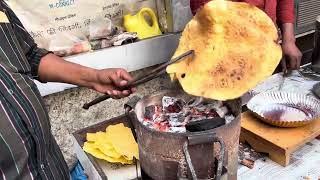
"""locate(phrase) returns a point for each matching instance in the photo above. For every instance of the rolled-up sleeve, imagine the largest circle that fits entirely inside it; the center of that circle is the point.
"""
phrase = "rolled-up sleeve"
(31, 50)
(285, 11)
(34, 56)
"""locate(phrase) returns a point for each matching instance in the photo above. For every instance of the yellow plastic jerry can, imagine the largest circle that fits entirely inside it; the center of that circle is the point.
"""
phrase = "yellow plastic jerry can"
(137, 23)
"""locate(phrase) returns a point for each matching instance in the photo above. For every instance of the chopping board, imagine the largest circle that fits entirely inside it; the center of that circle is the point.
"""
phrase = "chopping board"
(277, 142)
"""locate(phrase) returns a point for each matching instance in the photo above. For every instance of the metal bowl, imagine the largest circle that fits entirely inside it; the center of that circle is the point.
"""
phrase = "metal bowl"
(284, 109)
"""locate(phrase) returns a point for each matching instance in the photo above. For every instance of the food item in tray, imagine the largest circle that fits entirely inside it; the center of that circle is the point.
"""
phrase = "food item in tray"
(123, 141)
(116, 145)
(236, 46)
(104, 144)
(90, 148)
(91, 137)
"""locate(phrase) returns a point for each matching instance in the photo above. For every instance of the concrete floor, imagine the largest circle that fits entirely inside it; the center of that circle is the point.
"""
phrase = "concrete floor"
(67, 115)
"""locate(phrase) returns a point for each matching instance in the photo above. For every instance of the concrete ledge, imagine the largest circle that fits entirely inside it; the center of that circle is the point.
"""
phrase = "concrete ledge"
(131, 57)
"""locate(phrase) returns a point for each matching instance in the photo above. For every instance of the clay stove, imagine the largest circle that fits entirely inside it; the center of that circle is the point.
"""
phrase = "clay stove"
(168, 151)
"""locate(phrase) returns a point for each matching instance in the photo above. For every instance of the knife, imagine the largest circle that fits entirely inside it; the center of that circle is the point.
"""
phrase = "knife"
(285, 72)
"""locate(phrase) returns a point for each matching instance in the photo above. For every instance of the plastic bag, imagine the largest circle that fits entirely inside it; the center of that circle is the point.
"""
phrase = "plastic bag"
(65, 45)
(116, 40)
(47, 19)
(101, 28)
(77, 173)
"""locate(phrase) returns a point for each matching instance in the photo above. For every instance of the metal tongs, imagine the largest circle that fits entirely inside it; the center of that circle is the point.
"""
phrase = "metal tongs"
(143, 78)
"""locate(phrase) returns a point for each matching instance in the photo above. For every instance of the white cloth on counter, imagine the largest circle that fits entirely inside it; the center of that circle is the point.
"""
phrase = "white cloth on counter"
(295, 82)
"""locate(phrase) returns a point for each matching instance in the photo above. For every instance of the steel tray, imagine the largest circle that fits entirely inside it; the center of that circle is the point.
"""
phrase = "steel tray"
(97, 169)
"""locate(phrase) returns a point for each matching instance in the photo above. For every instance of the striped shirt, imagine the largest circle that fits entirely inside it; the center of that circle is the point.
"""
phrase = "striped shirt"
(27, 148)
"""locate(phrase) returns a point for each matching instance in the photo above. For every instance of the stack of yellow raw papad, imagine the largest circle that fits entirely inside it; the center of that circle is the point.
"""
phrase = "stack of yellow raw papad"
(116, 145)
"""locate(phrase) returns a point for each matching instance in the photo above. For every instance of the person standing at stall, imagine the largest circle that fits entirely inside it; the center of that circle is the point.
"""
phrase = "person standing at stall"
(282, 13)
(28, 150)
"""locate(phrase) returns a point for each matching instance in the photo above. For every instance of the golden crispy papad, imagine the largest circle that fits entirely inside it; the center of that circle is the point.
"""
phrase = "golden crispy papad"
(236, 47)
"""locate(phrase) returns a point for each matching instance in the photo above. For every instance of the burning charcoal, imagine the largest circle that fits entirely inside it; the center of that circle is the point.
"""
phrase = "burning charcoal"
(163, 126)
(211, 113)
(195, 112)
(148, 124)
(187, 119)
(196, 118)
(215, 105)
(174, 113)
(161, 118)
(201, 108)
(149, 111)
(195, 102)
(158, 111)
(176, 119)
(168, 101)
(176, 124)
(172, 105)
(177, 129)
(186, 111)
(222, 111)
(145, 119)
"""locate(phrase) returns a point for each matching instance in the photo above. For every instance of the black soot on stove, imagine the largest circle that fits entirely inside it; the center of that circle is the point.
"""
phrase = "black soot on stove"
(174, 113)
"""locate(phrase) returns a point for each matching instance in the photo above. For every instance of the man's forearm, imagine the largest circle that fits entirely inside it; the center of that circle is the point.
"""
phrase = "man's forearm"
(287, 30)
(291, 52)
(55, 69)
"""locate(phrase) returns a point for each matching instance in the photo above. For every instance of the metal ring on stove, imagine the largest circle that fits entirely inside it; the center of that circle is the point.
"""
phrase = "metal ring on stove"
(220, 158)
